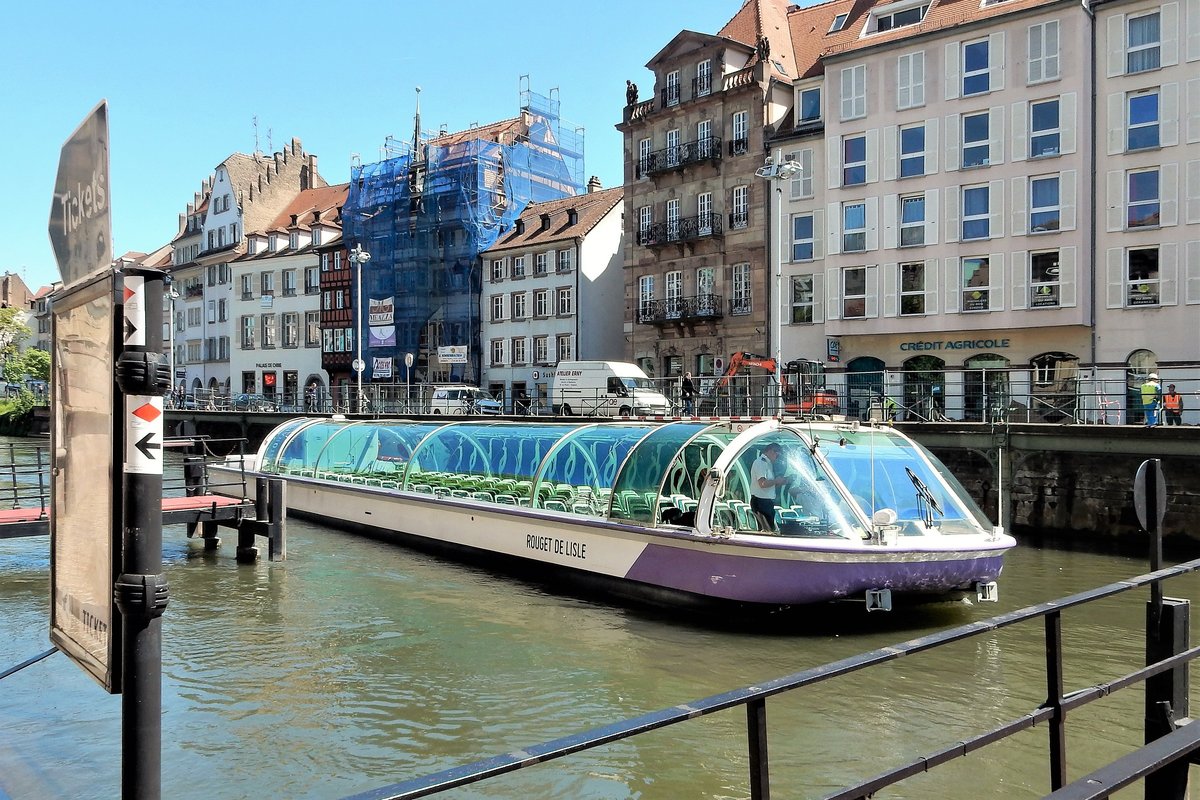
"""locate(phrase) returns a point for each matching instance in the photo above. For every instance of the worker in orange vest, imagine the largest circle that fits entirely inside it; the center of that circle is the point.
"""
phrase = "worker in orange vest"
(1173, 405)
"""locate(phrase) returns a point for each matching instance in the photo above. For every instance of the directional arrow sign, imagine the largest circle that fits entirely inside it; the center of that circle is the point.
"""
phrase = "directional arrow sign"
(80, 217)
(146, 444)
(145, 434)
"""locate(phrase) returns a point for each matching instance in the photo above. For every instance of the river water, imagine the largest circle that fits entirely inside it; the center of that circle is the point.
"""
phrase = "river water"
(355, 664)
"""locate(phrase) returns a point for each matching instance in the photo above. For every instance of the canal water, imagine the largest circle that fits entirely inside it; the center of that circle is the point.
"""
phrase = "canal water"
(355, 664)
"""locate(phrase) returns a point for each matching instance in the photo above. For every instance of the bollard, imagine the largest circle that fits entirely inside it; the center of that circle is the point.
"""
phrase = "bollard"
(193, 476)
(1167, 626)
(276, 519)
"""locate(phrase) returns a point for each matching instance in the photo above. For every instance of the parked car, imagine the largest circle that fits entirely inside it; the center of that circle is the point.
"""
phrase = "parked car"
(459, 400)
(252, 402)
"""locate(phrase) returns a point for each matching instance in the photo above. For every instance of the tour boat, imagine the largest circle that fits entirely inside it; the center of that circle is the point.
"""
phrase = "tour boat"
(656, 509)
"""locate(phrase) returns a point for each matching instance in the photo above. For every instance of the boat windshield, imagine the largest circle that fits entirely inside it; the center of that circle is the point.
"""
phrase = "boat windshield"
(810, 505)
(883, 469)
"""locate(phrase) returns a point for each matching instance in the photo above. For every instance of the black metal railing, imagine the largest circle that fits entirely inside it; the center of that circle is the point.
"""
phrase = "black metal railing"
(702, 86)
(670, 95)
(681, 230)
(740, 308)
(739, 219)
(738, 147)
(1052, 713)
(679, 156)
(681, 309)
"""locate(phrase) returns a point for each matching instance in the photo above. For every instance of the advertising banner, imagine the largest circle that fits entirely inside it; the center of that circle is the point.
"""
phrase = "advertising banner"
(381, 367)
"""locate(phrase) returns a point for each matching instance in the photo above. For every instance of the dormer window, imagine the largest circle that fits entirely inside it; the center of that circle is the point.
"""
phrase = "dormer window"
(273, 242)
(897, 15)
(839, 22)
(316, 236)
(294, 240)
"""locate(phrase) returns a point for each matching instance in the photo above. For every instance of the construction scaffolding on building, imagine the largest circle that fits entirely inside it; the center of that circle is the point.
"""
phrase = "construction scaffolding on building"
(427, 212)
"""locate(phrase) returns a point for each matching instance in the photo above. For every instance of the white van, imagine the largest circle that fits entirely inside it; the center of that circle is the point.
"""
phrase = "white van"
(605, 389)
(459, 400)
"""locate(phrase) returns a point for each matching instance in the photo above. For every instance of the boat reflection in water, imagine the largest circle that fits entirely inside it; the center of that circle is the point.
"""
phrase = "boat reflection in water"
(656, 510)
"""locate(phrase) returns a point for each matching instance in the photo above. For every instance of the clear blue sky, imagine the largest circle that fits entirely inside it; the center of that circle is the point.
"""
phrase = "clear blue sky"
(184, 80)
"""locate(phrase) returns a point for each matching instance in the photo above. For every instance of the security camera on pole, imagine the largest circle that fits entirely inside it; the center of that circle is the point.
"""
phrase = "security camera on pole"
(358, 257)
(778, 170)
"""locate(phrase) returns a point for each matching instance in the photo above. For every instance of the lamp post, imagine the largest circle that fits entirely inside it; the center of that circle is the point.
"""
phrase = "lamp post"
(172, 296)
(778, 171)
(358, 257)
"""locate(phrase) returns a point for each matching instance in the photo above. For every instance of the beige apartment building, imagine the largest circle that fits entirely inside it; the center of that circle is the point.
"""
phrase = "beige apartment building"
(958, 239)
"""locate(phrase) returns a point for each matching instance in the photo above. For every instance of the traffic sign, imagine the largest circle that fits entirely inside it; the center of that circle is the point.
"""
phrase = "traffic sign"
(359, 365)
(80, 216)
(1145, 494)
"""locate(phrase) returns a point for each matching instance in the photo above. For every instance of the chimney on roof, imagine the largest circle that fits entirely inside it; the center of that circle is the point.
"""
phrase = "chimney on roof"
(338, 218)
(316, 216)
(296, 147)
(593, 184)
(572, 216)
(545, 218)
(443, 129)
(294, 219)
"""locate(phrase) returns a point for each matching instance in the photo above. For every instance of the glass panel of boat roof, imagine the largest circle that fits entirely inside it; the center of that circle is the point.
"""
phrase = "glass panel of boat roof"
(685, 478)
(874, 466)
(810, 505)
(635, 493)
(269, 459)
(302, 448)
(493, 450)
(581, 469)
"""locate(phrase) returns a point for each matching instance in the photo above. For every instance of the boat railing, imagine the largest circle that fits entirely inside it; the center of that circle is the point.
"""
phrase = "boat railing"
(25, 475)
(1166, 692)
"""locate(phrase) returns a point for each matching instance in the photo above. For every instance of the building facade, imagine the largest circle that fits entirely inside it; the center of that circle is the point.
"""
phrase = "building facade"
(697, 277)
(550, 285)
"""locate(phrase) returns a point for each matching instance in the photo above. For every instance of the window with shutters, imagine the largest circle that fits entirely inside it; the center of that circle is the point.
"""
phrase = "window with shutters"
(1044, 136)
(854, 293)
(518, 305)
(912, 150)
(498, 266)
(803, 299)
(1142, 209)
(854, 227)
(566, 259)
(802, 237)
(518, 350)
(565, 301)
(1142, 120)
(976, 280)
(1044, 204)
(854, 92)
(976, 74)
(541, 263)
(312, 328)
(910, 80)
(497, 308)
(976, 218)
(741, 133)
(741, 303)
(289, 283)
(644, 148)
(1143, 51)
(976, 146)
(564, 347)
(1141, 277)
(740, 216)
(541, 303)
(291, 330)
(854, 160)
(248, 332)
(497, 352)
(518, 267)
(541, 349)
(912, 220)
(704, 78)
(671, 92)
(1043, 52)
(1044, 279)
(912, 289)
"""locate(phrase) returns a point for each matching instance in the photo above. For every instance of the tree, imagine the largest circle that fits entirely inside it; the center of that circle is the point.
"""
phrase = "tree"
(33, 362)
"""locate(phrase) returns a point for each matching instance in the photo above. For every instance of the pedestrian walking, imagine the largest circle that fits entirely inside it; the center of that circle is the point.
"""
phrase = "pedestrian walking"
(687, 391)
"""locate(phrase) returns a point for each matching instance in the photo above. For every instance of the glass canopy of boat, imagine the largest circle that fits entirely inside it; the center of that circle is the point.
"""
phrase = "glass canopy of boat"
(644, 472)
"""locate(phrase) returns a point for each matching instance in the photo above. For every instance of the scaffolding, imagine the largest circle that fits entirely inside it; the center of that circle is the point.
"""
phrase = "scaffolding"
(427, 213)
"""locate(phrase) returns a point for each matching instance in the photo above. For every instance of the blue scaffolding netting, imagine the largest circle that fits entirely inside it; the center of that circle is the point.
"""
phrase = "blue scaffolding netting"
(427, 214)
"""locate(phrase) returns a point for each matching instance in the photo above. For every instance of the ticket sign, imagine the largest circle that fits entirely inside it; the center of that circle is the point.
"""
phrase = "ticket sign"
(85, 500)
(80, 218)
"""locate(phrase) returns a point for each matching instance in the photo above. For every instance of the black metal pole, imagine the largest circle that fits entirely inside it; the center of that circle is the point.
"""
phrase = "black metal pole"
(143, 377)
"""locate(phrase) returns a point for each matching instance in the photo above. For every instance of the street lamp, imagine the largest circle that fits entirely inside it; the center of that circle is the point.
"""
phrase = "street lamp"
(358, 257)
(779, 171)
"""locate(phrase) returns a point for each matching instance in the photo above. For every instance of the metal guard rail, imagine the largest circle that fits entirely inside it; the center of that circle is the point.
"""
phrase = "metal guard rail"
(754, 698)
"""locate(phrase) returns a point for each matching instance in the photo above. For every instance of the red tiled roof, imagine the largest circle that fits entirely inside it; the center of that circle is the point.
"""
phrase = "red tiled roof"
(590, 208)
(942, 15)
(490, 132)
(764, 18)
(324, 199)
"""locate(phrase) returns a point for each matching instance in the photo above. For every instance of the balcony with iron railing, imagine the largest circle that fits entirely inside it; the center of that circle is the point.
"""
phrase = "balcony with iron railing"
(701, 226)
(681, 309)
(680, 156)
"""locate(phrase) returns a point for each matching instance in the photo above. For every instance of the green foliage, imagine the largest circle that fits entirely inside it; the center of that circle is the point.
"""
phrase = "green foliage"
(32, 362)
(16, 414)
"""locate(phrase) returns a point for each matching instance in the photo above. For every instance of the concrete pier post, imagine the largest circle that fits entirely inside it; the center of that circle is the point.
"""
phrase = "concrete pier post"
(1167, 634)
